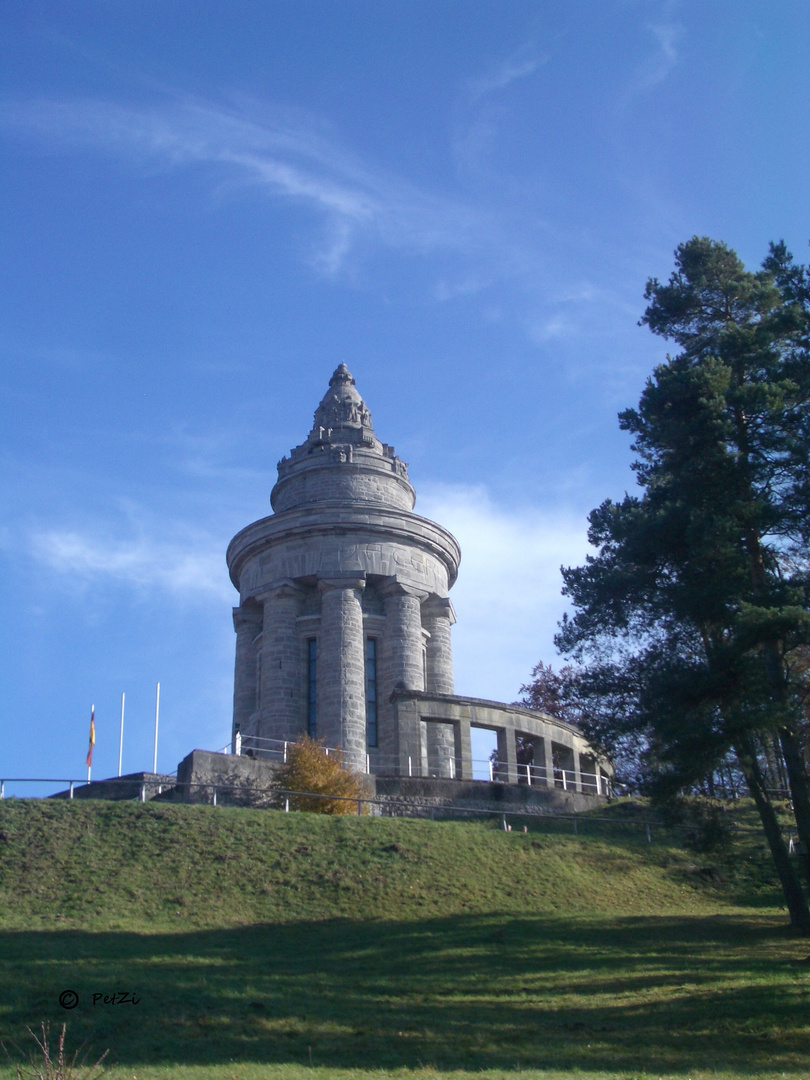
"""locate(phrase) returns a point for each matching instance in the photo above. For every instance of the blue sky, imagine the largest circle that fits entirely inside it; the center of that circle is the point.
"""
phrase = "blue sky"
(208, 206)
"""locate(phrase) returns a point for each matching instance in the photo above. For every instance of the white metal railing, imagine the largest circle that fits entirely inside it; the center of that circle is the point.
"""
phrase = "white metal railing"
(209, 791)
(588, 783)
(565, 779)
(143, 785)
(272, 796)
(270, 749)
(39, 780)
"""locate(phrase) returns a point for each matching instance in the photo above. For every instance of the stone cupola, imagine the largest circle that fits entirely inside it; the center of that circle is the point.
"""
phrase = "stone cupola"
(342, 459)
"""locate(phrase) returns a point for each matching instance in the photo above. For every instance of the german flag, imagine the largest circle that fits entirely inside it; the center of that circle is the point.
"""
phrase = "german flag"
(89, 761)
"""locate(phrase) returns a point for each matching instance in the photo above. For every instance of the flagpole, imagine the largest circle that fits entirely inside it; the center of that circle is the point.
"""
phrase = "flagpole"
(157, 712)
(89, 761)
(121, 735)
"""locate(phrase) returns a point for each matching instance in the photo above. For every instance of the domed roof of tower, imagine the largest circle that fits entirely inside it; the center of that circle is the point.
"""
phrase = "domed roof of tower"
(342, 460)
(341, 408)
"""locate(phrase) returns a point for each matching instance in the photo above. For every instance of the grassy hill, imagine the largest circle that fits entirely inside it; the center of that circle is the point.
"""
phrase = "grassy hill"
(263, 945)
(104, 865)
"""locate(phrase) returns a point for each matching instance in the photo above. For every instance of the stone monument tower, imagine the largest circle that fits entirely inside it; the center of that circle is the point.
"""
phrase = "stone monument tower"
(343, 600)
(343, 633)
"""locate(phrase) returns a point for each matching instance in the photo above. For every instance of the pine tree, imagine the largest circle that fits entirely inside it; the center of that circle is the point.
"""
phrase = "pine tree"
(689, 622)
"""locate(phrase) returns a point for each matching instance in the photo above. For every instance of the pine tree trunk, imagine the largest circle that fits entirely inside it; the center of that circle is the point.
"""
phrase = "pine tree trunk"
(775, 676)
(791, 888)
(799, 791)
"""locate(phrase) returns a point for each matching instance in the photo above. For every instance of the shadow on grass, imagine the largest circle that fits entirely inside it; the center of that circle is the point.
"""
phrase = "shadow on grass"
(471, 992)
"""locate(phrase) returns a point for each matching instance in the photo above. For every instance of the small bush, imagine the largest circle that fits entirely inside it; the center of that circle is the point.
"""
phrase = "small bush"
(711, 831)
(709, 827)
(44, 1066)
(310, 769)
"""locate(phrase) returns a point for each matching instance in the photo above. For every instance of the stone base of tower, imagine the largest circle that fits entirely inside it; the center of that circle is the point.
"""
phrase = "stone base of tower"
(542, 764)
(432, 797)
(232, 780)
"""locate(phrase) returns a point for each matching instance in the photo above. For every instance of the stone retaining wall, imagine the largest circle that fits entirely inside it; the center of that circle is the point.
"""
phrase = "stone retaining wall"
(241, 781)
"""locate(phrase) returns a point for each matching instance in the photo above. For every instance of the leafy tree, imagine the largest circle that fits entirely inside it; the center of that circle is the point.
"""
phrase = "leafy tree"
(690, 622)
(546, 693)
(310, 770)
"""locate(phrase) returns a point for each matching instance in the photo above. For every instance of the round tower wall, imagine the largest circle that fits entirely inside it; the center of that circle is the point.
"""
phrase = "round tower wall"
(318, 482)
(324, 556)
(312, 543)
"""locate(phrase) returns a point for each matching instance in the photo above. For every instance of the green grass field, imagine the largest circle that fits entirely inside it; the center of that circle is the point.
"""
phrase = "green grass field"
(267, 945)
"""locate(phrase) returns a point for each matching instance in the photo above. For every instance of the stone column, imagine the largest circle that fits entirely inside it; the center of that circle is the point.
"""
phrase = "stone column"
(548, 753)
(463, 740)
(437, 618)
(440, 749)
(407, 725)
(402, 665)
(247, 622)
(280, 705)
(577, 768)
(507, 756)
(341, 684)
(403, 637)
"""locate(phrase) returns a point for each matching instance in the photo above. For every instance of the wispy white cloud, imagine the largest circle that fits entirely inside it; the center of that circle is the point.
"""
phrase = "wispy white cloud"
(481, 110)
(662, 59)
(557, 326)
(519, 65)
(561, 316)
(286, 155)
(475, 244)
(508, 592)
(188, 567)
(667, 35)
